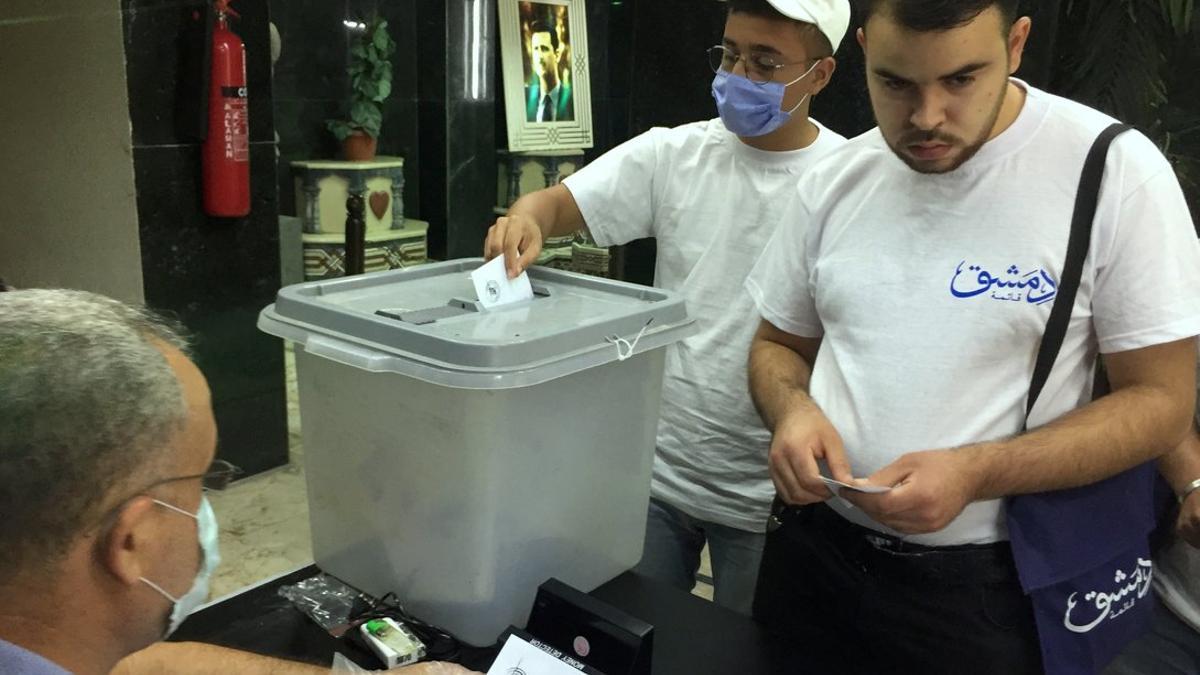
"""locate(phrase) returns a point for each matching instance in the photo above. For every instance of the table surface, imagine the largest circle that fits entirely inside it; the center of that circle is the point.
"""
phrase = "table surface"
(691, 635)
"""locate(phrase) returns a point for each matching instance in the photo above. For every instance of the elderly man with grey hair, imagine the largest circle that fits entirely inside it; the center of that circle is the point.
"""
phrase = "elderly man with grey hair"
(107, 438)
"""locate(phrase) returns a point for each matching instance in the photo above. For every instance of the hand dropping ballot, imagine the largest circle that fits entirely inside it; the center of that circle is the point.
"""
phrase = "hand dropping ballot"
(495, 289)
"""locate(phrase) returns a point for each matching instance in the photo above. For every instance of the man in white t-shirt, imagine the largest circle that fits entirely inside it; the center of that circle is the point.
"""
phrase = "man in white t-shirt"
(709, 192)
(904, 297)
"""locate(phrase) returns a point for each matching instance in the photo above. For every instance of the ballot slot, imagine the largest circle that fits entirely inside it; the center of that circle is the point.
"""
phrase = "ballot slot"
(455, 307)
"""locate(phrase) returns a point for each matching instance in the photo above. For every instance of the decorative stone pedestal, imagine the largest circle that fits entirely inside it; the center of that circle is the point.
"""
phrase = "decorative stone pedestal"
(353, 218)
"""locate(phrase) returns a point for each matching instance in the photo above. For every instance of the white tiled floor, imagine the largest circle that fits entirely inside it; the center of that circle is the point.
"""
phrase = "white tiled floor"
(264, 519)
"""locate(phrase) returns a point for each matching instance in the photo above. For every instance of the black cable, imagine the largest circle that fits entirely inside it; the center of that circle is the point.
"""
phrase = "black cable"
(440, 644)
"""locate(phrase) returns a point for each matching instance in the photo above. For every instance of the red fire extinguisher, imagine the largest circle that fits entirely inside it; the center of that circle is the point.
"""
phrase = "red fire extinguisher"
(226, 152)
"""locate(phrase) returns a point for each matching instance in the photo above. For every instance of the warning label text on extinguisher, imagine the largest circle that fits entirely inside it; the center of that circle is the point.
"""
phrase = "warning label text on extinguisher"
(236, 131)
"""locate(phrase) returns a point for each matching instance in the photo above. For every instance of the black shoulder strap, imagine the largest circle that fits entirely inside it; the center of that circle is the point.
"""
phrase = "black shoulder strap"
(1077, 251)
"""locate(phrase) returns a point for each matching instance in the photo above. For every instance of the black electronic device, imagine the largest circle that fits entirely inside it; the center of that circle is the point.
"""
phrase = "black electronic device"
(590, 630)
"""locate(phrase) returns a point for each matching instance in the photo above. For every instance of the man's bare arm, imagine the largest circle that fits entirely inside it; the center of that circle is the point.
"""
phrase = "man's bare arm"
(780, 369)
(1146, 416)
(551, 212)
(1180, 468)
(198, 658)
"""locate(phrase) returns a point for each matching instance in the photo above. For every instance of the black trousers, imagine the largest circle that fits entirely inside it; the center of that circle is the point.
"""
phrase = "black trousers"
(840, 598)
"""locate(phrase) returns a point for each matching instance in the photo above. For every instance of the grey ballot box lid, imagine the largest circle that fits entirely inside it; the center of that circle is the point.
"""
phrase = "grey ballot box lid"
(425, 322)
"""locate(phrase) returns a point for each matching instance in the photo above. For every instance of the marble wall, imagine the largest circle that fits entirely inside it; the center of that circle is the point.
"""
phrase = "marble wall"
(442, 125)
(213, 274)
(311, 86)
(458, 97)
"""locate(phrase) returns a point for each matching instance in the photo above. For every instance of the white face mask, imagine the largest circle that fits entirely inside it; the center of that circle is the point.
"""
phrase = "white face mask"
(206, 531)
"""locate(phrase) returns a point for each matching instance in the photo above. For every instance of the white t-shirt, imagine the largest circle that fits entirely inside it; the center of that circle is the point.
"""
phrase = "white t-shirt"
(932, 292)
(711, 201)
(1177, 580)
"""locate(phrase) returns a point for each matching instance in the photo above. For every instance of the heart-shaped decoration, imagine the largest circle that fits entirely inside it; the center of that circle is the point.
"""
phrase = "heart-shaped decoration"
(379, 204)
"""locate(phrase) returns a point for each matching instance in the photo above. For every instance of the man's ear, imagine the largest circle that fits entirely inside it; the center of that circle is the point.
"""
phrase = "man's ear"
(126, 546)
(823, 74)
(1017, 37)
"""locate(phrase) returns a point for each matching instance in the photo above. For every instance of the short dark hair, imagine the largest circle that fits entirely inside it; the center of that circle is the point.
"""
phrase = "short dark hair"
(926, 16)
(764, 9)
(540, 26)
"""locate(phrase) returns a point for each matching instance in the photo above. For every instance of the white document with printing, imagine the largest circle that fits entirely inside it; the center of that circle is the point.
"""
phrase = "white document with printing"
(834, 485)
(495, 289)
(518, 657)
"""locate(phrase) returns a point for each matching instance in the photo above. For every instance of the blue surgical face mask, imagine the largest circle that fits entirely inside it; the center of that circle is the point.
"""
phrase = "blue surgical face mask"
(749, 109)
(206, 531)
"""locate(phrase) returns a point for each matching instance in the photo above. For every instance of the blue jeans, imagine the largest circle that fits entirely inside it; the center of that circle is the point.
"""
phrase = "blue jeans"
(672, 555)
(1170, 647)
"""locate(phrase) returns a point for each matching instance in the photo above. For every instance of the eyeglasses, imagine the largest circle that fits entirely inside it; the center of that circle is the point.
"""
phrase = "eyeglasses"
(760, 68)
(218, 477)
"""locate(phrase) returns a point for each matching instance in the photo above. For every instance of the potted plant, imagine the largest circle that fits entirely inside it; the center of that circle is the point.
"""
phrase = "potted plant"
(370, 72)
(1144, 76)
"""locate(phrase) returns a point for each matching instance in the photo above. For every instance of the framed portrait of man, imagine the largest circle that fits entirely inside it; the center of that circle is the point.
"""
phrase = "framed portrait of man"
(547, 97)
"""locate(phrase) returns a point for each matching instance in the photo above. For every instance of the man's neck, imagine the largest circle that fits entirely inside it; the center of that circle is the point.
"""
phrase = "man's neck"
(797, 134)
(548, 84)
(74, 640)
(1010, 109)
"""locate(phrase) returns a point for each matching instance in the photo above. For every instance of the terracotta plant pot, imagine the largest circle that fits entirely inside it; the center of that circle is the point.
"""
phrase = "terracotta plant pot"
(359, 147)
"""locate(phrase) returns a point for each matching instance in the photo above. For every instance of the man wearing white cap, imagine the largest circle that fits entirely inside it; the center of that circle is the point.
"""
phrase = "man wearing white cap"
(709, 192)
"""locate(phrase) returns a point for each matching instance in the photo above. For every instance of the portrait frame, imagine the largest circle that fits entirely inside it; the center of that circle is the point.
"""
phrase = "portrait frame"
(560, 119)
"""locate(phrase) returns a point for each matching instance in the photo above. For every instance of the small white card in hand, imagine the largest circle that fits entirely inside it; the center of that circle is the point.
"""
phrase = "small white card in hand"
(494, 288)
(869, 489)
(518, 656)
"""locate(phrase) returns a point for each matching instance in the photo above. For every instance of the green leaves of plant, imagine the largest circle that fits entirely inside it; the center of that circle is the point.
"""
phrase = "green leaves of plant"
(380, 38)
(368, 116)
(370, 72)
(341, 129)
(1140, 74)
(1179, 14)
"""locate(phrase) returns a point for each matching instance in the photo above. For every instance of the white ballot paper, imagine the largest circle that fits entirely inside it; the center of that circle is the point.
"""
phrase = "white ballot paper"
(495, 289)
(519, 657)
(869, 489)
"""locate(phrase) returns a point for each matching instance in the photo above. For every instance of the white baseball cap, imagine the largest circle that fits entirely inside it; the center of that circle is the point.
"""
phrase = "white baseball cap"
(831, 17)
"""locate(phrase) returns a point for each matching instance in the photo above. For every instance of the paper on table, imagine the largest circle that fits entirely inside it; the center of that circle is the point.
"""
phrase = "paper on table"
(518, 656)
(869, 489)
(494, 288)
